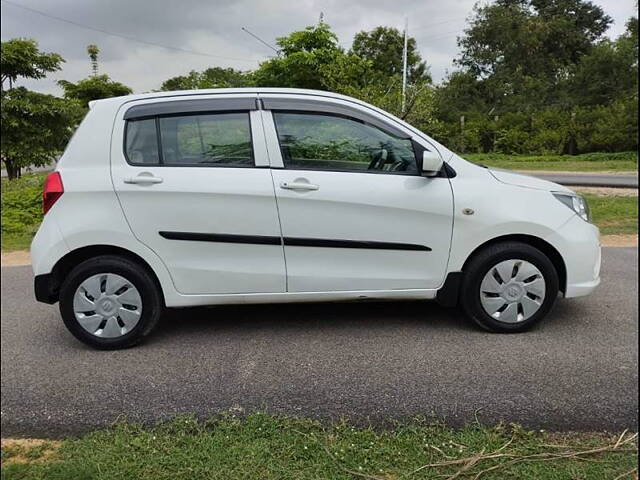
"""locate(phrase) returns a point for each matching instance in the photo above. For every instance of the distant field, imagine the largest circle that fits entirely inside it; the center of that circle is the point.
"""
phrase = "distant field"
(588, 162)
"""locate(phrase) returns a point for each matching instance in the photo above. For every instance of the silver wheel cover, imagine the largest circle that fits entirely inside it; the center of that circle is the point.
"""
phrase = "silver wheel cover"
(512, 291)
(107, 305)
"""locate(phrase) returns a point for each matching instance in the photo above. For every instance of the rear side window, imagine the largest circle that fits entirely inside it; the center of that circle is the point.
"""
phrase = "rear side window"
(141, 143)
(217, 139)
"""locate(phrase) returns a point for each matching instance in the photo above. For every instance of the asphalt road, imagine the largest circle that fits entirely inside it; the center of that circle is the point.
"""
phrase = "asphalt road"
(366, 362)
(590, 180)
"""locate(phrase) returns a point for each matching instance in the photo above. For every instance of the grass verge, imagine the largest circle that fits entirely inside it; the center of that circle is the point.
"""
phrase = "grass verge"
(268, 447)
(21, 210)
(588, 162)
(614, 215)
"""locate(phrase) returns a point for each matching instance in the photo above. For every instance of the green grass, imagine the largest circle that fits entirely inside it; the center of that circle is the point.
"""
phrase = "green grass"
(21, 210)
(614, 215)
(588, 162)
(268, 447)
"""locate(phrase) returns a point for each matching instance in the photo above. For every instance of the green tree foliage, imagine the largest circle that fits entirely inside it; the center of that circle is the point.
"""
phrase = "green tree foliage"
(537, 76)
(383, 47)
(93, 51)
(215, 77)
(35, 128)
(93, 88)
(20, 57)
(305, 57)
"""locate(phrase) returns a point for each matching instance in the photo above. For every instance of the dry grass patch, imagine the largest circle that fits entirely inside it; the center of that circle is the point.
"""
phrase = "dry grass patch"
(28, 450)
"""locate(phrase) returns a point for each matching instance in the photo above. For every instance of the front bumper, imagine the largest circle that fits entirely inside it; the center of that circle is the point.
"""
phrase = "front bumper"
(579, 244)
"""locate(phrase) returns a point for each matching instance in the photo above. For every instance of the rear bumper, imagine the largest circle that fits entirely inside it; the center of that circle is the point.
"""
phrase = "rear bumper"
(43, 288)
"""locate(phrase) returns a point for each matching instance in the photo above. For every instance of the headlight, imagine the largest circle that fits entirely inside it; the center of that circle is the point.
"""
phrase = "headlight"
(575, 203)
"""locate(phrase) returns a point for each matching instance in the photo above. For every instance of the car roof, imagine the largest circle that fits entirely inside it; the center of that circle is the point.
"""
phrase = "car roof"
(220, 91)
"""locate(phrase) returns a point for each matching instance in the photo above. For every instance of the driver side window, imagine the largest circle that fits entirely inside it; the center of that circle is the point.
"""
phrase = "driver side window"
(319, 141)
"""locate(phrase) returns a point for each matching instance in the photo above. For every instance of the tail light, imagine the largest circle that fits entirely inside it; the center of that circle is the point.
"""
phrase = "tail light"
(52, 191)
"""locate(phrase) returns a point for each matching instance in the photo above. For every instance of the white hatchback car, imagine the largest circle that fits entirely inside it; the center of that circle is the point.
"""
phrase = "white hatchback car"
(225, 196)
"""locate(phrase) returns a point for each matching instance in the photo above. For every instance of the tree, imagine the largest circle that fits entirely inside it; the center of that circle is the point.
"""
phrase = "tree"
(383, 47)
(524, 48)
(20, 57)
(93, 52)
(304, 57)
(215, 77)
(35, 128)
(93, 88)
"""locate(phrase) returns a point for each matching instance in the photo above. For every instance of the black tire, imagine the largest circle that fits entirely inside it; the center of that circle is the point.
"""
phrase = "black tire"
(483, 261)
(149, 290)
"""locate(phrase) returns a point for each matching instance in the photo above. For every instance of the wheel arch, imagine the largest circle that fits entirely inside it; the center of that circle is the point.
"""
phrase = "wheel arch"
(545, 247)
(66, 263)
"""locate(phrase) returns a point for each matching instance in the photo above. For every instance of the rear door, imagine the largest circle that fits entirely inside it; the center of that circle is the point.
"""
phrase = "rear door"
(193, 180)
(355, 212)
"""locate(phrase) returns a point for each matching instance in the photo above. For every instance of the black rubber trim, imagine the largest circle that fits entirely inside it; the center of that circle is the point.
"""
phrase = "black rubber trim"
(372, 245)
(190, 106)
(319, 107)
(449, 294)
(42, 286)
(291, 241)
(222, 238)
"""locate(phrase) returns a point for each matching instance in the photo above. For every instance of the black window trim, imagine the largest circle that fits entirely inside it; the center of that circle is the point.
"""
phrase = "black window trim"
(358, 120)
(193, 106)
(161, 162)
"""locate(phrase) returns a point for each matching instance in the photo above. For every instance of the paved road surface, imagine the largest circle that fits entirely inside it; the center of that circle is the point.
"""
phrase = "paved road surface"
(364, 361)
(590, 180)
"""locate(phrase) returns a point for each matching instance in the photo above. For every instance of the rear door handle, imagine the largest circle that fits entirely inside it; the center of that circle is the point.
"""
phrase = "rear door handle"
(298, 186)
(143, 179)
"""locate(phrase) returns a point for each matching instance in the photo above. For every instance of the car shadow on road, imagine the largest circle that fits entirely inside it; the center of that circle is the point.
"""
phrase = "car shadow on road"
(310, 316)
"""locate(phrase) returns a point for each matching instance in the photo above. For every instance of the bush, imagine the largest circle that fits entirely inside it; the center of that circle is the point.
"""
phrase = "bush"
(21, 209)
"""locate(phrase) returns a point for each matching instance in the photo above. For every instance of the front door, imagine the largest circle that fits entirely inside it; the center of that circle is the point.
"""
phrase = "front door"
(186, 176)
(354, 210)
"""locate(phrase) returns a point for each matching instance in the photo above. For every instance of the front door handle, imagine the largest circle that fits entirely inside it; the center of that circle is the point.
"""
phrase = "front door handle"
(298, 186)
(143, 179)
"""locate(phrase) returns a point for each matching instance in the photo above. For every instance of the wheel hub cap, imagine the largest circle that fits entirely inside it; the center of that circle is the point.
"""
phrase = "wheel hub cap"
(512, 291)
(107, 305)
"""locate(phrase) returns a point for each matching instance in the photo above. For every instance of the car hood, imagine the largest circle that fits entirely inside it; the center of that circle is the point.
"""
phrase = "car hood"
(513, 178)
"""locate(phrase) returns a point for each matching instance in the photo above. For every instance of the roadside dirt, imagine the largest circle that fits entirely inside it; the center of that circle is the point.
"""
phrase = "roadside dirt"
(608, 192)
(28, 450)
(563, 172)
(619, 240)
(15, 259)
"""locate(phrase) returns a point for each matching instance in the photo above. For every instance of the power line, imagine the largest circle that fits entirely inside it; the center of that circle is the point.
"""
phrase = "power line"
(126, 37)
(261, 41)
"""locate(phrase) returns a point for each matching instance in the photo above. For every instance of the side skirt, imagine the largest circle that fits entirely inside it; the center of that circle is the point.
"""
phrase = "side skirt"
(301, 297)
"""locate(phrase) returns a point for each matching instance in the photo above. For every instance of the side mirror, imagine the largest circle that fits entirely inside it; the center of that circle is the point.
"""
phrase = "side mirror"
(431, 163)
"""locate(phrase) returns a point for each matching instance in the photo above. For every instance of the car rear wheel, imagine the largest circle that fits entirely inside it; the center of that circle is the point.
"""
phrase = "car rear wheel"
(509, 287)
(110, 302)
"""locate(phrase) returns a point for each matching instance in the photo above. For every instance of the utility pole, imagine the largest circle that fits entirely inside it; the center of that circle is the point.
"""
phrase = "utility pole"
(404, 63)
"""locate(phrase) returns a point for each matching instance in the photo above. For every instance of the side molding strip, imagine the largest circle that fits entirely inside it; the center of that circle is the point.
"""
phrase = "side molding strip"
(291, 241)
(221, 238)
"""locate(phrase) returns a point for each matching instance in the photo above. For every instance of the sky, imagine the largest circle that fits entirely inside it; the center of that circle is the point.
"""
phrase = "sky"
(133, 34)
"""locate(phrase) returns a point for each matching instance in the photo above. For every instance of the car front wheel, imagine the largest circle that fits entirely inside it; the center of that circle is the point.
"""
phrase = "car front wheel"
(509, 287)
